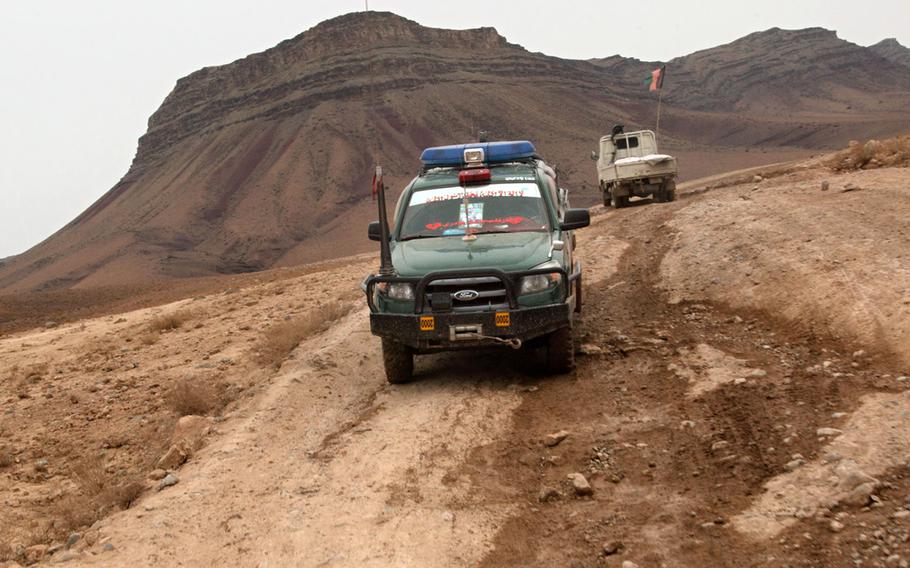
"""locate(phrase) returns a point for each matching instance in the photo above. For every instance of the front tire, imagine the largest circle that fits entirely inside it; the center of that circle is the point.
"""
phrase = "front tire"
(620, 202)
(398, 360)
(578, 295)
(561, 351)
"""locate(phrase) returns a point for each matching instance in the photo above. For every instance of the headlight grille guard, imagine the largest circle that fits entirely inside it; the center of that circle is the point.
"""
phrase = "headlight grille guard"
(510, 281)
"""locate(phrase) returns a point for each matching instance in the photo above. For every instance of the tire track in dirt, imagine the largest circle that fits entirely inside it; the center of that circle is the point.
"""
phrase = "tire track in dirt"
(670, 465)
(333, 467)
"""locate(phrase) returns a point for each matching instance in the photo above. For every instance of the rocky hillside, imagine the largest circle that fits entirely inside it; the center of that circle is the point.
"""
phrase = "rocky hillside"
(893, 51)
(809, 69)
(265, 161)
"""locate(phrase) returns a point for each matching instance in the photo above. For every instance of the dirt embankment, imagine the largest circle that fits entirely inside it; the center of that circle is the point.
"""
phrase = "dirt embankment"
(90, 408)
(735, 404)
(834, 262)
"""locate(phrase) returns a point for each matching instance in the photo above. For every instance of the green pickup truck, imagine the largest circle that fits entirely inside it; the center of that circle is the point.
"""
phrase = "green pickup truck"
(480, 252)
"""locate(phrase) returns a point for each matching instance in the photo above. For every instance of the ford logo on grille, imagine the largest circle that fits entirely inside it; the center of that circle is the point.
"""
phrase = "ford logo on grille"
(465, 295)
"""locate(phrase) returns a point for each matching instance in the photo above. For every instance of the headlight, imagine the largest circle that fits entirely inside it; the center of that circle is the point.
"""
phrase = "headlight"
(540, 282)
(398, 291)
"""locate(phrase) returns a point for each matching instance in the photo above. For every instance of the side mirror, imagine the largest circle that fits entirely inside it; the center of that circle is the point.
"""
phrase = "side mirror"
(575, 219)
(374, 231)
(593, 155)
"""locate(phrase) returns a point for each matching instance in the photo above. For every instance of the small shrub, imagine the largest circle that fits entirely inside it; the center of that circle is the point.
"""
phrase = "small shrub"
(169, 322)
(281, 339)
(89, 475)
(6, 458)
(150, 338)
(103, 348)
(21, 378)
(6, 552)
(124, 494)
(99, 495)
(893, 152)
(193, 396)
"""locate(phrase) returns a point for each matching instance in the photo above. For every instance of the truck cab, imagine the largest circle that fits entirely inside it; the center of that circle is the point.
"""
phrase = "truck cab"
(482, 251)
(628, 164)
(633, 144)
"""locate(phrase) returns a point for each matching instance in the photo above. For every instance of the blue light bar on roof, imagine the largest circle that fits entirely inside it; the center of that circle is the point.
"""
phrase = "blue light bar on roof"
(494, 152)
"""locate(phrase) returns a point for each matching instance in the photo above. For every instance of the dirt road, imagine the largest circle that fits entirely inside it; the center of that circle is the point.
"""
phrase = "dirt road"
(713, 432)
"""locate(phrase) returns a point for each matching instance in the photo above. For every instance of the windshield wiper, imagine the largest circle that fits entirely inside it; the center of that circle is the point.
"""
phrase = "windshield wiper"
(510, 231)
(412, 237)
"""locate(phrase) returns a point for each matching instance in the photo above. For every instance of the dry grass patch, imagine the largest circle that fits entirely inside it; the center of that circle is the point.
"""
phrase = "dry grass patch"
(195, 396)
(281, 339)
(890, 153)
(101, 347)
(20, 379)
(99, 494)
(150, 338)
(6, 457)
(168, 322)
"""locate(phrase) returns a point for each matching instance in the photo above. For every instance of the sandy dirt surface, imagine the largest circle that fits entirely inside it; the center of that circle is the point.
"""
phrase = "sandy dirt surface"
(91, 403)
(830, 261)
(735, 404)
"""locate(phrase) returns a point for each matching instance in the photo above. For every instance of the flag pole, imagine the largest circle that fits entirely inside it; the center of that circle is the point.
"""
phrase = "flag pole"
(660, 93)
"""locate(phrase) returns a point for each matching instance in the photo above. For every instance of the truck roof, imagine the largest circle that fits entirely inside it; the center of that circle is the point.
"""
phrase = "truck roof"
(624, 134)
(508, 172)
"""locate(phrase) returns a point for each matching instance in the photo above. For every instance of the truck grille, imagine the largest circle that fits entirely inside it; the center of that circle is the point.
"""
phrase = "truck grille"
(491, 294)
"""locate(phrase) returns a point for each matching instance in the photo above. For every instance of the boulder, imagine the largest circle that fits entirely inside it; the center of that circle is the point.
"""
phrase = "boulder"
(35, 553)
(173, 458)
(580, 484)
(556, 438)
(860, 495)
(190, 431)
(168, 481)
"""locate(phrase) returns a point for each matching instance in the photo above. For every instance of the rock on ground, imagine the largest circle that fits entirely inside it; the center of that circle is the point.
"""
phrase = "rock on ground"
(548, 494)
(580, 484)
(190, 431)
(169, 480)
(173, 458)
(556, 438)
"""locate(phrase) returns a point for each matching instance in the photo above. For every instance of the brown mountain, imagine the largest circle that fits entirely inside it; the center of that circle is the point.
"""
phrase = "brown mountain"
(893, 51)
(265, 161)
(793, 70)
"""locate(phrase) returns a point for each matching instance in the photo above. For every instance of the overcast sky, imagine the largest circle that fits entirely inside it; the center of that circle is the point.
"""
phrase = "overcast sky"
(80, 79)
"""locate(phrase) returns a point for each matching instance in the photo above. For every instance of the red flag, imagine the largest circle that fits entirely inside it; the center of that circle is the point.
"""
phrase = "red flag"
(657, 78)
(377, 182)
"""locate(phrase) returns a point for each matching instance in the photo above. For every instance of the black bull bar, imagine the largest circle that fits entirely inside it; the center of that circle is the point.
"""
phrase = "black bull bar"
(509, 280)
(525, 322)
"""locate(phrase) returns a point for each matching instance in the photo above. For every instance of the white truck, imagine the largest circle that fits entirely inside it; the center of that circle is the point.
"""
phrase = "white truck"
(628, 164)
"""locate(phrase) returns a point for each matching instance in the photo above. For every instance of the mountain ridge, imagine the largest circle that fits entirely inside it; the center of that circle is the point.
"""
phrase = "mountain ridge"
(764, 61)
(892, 50)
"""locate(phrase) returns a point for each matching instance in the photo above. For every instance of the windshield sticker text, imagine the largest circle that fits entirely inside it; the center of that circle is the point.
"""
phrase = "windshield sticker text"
(490, 191)
(515, 220)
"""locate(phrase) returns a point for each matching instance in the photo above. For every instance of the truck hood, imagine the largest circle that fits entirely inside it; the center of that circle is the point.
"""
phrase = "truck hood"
(509, 252)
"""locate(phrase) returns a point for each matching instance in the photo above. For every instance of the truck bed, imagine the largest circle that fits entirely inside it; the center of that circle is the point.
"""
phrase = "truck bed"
(635, 167)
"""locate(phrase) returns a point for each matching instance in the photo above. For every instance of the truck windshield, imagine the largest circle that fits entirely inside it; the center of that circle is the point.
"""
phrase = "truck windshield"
(494, 208)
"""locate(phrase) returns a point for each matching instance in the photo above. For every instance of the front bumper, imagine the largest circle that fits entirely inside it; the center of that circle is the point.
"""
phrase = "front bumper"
(441, 331)
(428, 329)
